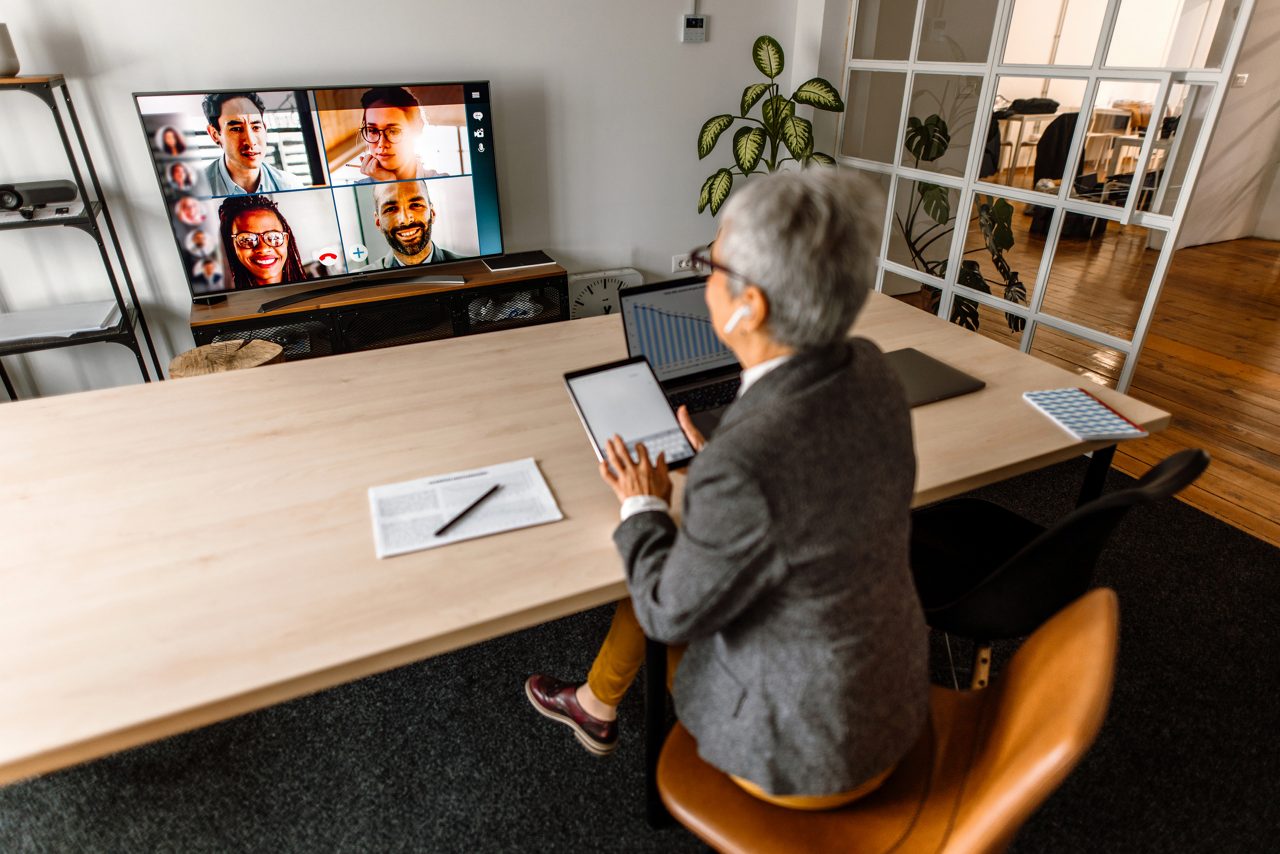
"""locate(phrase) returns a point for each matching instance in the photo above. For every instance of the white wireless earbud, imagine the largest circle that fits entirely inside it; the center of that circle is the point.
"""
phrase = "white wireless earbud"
(736, 318)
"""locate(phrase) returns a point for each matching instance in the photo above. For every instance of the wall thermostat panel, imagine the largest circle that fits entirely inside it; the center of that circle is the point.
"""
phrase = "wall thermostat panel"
(693, 28)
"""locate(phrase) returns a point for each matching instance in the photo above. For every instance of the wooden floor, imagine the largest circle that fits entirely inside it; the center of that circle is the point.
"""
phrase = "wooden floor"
(1212, 358)
(1212, 354)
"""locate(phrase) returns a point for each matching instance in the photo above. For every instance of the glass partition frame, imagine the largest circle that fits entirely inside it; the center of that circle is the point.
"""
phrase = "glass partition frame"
(968, 185)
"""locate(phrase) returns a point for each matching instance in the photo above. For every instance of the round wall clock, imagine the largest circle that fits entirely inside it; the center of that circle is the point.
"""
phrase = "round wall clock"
(592, 294)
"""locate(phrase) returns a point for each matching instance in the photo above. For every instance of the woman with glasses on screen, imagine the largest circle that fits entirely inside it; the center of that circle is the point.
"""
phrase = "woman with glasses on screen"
(787, 588)
(260, 246)
(391, 125)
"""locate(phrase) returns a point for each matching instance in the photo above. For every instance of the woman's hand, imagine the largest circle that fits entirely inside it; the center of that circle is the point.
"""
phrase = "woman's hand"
(692, 433)
(369, 166)
(627, 477)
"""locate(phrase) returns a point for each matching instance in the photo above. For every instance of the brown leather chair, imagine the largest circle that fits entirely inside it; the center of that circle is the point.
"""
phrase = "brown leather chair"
(986, 762)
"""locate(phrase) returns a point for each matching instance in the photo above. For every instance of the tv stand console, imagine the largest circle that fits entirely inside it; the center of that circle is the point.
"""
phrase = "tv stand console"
(456, 299)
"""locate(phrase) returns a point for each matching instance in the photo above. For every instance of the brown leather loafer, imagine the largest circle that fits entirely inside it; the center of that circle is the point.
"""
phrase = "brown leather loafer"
(558, 700)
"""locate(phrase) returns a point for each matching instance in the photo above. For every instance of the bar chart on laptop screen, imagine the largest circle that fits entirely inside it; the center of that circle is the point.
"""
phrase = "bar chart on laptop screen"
(673, 330)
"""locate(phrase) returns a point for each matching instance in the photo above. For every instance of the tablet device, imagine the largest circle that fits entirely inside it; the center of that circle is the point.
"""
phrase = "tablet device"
(624, 398)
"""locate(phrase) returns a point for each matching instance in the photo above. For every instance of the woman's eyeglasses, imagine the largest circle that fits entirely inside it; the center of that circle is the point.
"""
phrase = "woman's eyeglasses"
(371, 135)
(249, 239)
(700, 259)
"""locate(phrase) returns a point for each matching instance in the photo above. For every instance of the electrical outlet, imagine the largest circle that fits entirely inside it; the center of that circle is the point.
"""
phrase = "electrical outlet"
(1239, 81)
(681, 263)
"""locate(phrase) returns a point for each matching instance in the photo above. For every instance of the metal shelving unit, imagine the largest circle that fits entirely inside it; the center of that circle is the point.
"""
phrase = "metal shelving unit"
(130, 329)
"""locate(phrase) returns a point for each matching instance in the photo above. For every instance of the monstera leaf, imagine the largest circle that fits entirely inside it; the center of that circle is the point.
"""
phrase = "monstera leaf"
(1015, 291)
(715, 190)
(751, 95)
(820, 94)
(936, 201)
(768, 56)
(964, 312)
(710, 133)
(996, 221)
(928, 139)
(748, 146)
(797, 135)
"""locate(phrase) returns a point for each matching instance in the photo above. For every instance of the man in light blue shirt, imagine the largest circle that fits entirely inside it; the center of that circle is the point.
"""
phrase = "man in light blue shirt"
(236, 125)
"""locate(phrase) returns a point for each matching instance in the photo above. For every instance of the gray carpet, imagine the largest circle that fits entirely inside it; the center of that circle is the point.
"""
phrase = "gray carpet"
(446, 755)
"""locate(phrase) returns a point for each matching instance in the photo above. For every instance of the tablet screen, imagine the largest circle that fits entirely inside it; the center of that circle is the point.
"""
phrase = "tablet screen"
(624, 398)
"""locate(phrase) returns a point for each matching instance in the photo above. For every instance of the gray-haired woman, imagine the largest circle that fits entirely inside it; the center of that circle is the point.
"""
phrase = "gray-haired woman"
(804, 669)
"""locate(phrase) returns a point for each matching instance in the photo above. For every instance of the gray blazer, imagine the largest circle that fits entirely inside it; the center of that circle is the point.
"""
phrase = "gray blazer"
(806, 669)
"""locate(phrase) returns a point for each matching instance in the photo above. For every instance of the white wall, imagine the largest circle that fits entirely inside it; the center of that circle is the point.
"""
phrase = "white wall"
(596, 111)
(1268, 224)
(1231, 189)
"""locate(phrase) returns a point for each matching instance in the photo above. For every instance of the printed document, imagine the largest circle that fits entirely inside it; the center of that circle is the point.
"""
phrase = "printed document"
(406, 515)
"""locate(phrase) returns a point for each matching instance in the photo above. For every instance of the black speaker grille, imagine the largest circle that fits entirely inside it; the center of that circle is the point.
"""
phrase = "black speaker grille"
(487, 312)
(404, 323)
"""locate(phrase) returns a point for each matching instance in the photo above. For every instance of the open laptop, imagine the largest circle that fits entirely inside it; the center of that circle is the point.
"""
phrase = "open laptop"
(669, 324)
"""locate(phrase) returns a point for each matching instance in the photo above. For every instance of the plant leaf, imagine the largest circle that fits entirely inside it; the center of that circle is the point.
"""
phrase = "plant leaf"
(936, 201)
(927, 140)
(797, 135)
(719, 186)
(774, 111)
(964, 312)
(751, 94)
(970, 276)
(819, 93)
(768, 56)
(933, 299)
(710, 133)
(998, 225)
(704, 197)
(748, 146)
(822, 159)
(1015, 291)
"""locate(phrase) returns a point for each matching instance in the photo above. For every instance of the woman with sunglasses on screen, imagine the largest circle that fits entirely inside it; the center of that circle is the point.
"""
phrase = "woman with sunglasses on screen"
(260, 246)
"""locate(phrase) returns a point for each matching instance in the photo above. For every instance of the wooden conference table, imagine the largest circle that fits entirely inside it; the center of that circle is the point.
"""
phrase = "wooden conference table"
(178, 553)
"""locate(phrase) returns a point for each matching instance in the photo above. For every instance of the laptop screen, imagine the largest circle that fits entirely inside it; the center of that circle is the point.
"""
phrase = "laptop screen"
(669, 324)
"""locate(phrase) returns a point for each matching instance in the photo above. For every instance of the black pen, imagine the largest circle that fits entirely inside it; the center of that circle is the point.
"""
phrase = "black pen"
(472, 506)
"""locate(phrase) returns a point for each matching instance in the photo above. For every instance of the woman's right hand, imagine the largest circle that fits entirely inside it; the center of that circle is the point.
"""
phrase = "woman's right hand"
(692, 433)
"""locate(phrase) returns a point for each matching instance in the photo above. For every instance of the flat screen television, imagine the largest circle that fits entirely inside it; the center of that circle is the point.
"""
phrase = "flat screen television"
(336, 185)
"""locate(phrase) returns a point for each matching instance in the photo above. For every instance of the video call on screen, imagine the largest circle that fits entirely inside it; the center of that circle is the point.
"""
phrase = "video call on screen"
(275, 187)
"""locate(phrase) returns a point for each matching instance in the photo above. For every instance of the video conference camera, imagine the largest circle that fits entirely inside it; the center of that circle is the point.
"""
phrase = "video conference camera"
(26, 197)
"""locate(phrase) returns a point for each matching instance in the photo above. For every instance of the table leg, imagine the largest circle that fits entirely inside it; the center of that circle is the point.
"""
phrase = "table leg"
(1117, 148)
(1011, 175)
(655, 728)
(1096, 475)
(8, 386)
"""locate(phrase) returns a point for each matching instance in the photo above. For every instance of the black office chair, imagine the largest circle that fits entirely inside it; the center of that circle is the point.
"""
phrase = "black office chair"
(986, 573)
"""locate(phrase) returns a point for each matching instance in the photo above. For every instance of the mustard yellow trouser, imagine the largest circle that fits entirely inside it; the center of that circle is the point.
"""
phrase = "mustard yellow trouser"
(616, 666)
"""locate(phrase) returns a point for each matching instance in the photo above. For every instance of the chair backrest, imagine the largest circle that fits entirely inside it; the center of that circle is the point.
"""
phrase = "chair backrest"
(1039, 719)
(1053, 145)
(1058, 565)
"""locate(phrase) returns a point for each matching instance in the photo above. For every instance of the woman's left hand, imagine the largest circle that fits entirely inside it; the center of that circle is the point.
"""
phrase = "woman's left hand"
(627, 477)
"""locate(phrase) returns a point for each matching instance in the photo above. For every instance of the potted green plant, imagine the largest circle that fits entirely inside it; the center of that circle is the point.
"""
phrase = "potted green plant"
(776, 137)
(927, 140)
